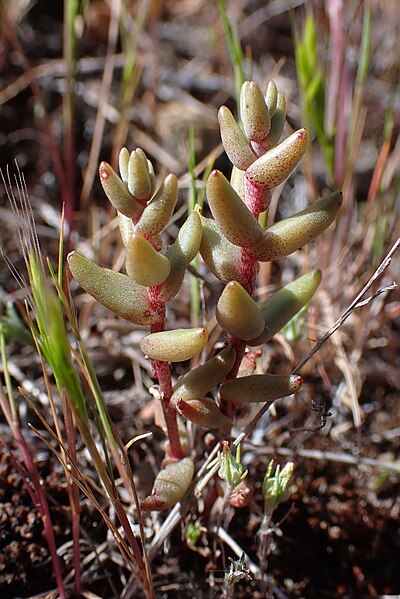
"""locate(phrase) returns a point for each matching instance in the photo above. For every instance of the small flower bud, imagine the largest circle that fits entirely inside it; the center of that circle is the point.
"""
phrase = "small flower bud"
(170, 485)
(144, 264)
(174, 346)
(234, 141)
(230, 469)
(238, 314)
(275, 487)
(260, 388)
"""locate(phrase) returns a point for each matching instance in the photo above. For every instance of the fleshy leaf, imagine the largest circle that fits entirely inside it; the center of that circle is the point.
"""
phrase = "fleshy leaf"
(118, 193)
(238, 314)
(126, 227)
(203, 412)
(115, 291)
(278, 309)
(123, 161)
(170, 485)
(158, 212)
(199, 381)
(144, 264)
(254, 112)
(180, 254)
(232, 216)
(290, 234)
(140, 176)
(275, 166)
(174, 346)
(260, 388)
(220, 255)
(277, 124)
(234, 141)
(271, 98)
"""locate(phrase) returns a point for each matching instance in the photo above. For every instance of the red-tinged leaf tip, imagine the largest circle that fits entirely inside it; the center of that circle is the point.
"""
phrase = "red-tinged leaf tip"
(103, 170)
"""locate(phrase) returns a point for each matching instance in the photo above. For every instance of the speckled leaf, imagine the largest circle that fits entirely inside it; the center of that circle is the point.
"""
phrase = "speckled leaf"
(260, 388)
(174, 346)
(115, 291)
(199, 381)
(220, 255)
(170, 485)
(180, 254)
(290, 234)
(144, 264)
(278, 309)
(234, 141)
(158, 212)
(232, 216)
(238, 314)
(254, 112)
(203, 412)
(277, 124)
(140, 176)
(271, 98)
(275, 166)
(118, 193)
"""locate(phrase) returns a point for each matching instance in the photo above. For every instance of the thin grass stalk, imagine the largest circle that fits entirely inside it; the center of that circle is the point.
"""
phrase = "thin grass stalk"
(195, 303)
(235, 51)
(35, 490)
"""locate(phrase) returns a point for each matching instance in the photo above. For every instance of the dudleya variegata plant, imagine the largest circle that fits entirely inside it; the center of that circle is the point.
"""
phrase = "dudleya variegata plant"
(232, 244)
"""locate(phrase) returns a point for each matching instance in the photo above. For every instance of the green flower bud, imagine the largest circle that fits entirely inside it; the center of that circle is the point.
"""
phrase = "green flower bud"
(140, 176)
(278, 309)
(232, 216)
(271, 98)
(144, 264)
(234, 141)
(290, 234)
(254, 112)
(238, 314)
(199, 381)
(123, 161)
(158, 212)
(230, 469)
(180, 254)
(277, 164)
(174, 346)
(170, 485)
(275, 486)
(203, 412)
(115, 291)
(220, 255)
(260, 388)
(117, 192)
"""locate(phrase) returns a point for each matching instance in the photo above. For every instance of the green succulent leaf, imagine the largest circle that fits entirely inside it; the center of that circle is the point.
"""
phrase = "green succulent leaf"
(180, 254)
(234, 141)
(158, 212)
(203, 412)
(199, 381)
(275, 166)
(237, 312)
(277, 124)
(115, 291)
(140, 176)
(170, 485)
(290, 234)
(174, 346)
(118, 193)
(254, 112)
(260, 388)
(271, 98)
(280, 308)
(144, 264)
(221, 256)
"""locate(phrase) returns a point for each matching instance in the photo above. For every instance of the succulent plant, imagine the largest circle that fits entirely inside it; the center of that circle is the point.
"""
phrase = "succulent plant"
(231, 243)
